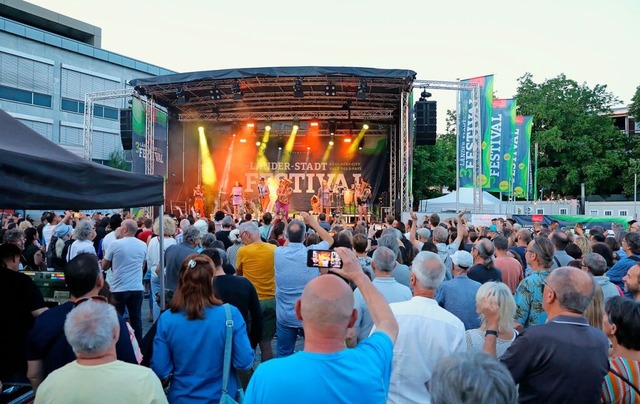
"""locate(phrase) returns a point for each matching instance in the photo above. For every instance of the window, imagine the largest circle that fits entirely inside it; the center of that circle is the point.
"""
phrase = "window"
(24, 96)
(26, 74)
(104, 143)
(608, 213)
(75, 85)
(43, 128)
(99, 111)
(539, 211)
(594, 212)
(623, 213)
(563, 211)
(70, 136)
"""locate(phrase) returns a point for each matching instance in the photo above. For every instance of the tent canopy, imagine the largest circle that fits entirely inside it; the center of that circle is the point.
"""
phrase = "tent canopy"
(39, 174)
(447, 202)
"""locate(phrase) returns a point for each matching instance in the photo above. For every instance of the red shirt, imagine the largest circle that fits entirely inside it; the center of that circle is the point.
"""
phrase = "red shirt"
(144, 235)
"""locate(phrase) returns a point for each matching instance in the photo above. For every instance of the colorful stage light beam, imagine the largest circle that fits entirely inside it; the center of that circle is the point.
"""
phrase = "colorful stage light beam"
(261, 159)
(209, 177)
(356, 142)
(227, 165)
(327, 152)
(288, 148)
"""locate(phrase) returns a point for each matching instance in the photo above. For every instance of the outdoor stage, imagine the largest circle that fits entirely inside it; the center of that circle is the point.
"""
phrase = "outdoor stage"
(306, 124)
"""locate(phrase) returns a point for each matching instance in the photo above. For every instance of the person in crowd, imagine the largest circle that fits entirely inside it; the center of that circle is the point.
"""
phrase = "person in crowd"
(414, 358)
(266, 227)
(277, 236)
(360, 244)
(238, 292)
(48, 348)
(595, 264)
(59, 245)
(544, 359)
(472, 377)
(631, 246)
(232, 252)
(93, 330)
(529, 310)
(190, 340)
(401, 272)
(115, 222)
(176, 255)
(574, 251)
(291, 276)
(418, 236)
(621, 324)
(255, 261)
(326, 371)
(126, 258)
(83, 235)
(560, 242)
(595, 310)
(16, 237)
(506, 310)
(440, 237)
(615, 248)
(484, 268)
(322, 221)
(584, 244)
(522, 241)
(606, 253)
(458, 295)
(223, 235)
(101, 231)
(184, 223)
(632, 282)
(52, 219)
(383, 265)
(147, 230)
(20, 303)
(153, 259)
(510, 267)
(32, 251)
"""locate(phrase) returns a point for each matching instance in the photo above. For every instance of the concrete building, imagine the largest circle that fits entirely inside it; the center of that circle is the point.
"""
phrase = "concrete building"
(48, 62)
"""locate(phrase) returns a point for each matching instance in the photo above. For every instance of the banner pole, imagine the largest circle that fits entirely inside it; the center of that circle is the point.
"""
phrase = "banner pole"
(535, 172)
(458, 149)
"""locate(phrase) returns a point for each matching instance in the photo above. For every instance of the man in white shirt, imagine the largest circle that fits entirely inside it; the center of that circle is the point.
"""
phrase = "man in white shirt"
(115, 221)
(427, 332)
(126, 257)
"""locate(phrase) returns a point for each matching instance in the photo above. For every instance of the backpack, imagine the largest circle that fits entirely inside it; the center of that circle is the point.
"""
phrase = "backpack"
(50, 255)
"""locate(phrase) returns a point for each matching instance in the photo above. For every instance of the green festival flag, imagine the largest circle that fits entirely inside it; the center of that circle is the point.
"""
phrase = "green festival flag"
(498, 151)
(522, 155)
(465, 131)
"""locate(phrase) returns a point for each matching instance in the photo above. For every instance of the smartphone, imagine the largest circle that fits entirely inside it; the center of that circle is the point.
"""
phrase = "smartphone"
(377, 226)
(323, 259)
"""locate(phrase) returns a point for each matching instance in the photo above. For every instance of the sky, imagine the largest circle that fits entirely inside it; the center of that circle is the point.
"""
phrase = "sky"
(592, 41)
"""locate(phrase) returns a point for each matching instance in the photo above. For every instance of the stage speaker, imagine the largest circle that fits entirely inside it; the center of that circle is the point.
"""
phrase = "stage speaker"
(426, 122)
(126, 129)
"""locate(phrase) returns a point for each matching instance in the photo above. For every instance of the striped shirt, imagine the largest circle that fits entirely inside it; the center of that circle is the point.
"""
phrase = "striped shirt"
(614, 389)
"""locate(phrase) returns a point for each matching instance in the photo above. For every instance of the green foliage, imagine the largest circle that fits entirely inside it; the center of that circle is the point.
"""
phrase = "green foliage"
(576, 138)
(435, 166)
(116, 160)
(634, 107)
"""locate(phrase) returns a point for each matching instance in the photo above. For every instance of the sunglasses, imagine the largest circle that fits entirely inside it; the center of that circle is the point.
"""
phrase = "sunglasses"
(97, 298)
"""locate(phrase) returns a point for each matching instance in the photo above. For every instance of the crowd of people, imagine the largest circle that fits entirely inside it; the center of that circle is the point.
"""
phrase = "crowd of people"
(433, 311)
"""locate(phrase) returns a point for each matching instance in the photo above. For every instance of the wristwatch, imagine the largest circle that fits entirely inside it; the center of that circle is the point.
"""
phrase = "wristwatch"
(491, 332)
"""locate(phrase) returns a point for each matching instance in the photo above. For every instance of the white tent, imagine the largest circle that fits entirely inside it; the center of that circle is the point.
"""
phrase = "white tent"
(447, 203)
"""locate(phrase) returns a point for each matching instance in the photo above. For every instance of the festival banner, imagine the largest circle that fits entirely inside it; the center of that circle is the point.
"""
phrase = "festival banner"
(160, 131)
(499, 149)
(309, 161)
(465, 131)
(521, 156)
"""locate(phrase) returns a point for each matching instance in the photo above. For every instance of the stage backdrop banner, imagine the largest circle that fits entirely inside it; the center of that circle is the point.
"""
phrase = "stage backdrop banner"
(498, 151)
(465, 131)
(160, 130)
(569, 221)
(521, 155)
(310, 162)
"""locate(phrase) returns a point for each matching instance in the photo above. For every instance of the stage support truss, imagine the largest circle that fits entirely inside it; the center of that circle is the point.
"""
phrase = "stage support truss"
(405, 153)
(374, 115)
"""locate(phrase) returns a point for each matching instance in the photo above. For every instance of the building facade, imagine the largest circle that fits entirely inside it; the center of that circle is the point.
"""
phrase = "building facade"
(48, 62)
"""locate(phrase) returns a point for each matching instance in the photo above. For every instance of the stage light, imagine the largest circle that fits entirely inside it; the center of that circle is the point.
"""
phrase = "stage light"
(333, 126)
(297, 88)
(215, 93)
(365, 126)
(258, 143)
(424, 95)
(296, 124)
(346, 105)
(243, 140)
(314, 123)
(331, 141)
(360, 147)
(201, 128)
(267, 126)
(181, 97)
(363, 88)
(251, 125)
(236, 90)
(347, 139)
(330, 89)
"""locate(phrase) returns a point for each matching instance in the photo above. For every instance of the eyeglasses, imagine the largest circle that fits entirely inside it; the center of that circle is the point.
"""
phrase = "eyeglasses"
(97, 298)
(543, 284)
(529, 251)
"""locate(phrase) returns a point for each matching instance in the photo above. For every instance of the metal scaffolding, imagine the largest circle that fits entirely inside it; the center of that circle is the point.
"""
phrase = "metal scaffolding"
(405, 153)
(375, 115)
(149, 156)
(393, 167)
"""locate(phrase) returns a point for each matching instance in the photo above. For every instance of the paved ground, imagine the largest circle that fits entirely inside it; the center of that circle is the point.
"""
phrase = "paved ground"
(146, 325)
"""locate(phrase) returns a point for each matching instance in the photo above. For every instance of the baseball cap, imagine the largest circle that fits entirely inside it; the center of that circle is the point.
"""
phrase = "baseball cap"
(462, 259)
(493, 227)
(424, 233)
(62, 230)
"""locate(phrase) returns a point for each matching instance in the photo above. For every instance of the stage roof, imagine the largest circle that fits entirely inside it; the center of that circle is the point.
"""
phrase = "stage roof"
(268, 93)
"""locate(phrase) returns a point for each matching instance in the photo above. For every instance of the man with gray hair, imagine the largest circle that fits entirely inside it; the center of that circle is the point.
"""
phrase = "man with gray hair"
(126, 257)
(472, 377)
(543, 359)
(255, 261)
(445, 251)
(401, 272)
(175, 255)
(223, 235)
(383, 264)
(292, 275)
(84, 233)
(458, 295)
(596, 265)
(92, 329)
(440, 332)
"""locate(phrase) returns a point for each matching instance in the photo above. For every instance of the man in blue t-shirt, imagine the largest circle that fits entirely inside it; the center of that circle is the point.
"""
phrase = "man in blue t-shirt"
(326, 371)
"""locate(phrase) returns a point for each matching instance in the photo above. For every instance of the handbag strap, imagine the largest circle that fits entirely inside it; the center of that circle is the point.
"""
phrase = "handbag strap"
(227, 348)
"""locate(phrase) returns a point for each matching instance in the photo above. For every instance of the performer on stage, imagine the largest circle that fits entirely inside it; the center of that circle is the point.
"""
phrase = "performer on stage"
(263, 194)
(237, 193)
(198, 200)
(284, 197)
(363, 193)
(324, 194)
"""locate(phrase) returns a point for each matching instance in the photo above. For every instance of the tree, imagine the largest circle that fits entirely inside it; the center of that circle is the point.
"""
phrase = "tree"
(634, 107)
(577, 140)
(117, 160)
(434, 167)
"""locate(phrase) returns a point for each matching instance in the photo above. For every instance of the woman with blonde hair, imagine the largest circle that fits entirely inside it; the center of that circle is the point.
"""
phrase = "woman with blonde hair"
(190, 341)
(583, 243)
(595, 311)
(153, 258)
(507, 309)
